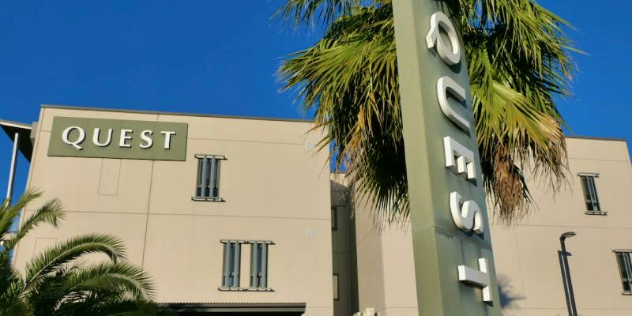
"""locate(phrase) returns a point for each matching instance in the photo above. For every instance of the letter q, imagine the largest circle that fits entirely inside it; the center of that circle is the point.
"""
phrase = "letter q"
(66, 134)
(433, 40)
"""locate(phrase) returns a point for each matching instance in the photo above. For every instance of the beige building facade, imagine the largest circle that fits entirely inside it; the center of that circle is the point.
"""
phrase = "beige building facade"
(268, 207)
(529, 258)
(241, 215)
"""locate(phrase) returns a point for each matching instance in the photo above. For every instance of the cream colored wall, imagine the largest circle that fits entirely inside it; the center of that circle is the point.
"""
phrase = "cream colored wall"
(526, 253)
(370, 256)
(385, 265)
(275, 185)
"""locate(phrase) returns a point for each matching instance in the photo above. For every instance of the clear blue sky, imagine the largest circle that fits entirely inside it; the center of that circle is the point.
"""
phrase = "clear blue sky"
(220, 57)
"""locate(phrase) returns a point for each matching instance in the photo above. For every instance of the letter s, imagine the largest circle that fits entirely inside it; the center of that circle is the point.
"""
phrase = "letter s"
(468, 218)
(145, 137)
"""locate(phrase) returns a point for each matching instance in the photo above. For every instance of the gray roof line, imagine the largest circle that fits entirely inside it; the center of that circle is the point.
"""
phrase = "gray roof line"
(84, 108)
(597, 138)
(24, 134)
(15, 124)
(249, 307)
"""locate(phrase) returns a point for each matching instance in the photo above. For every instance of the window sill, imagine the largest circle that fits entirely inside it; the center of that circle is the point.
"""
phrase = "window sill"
(626, 293)
(596, 213)
(210, 199)
(244, 289)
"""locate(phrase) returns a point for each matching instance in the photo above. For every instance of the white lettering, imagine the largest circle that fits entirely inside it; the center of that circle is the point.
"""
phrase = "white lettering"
(433, 40)
(148, 141)
(466, 216)
(458, 158)
(478, 278)
(80, 139)
(445, 86)
(168, 138)
(124, 138)
(96, 136)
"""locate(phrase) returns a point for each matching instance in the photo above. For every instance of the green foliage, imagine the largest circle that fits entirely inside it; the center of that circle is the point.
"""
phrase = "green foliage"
(57, 282)
(518, 60)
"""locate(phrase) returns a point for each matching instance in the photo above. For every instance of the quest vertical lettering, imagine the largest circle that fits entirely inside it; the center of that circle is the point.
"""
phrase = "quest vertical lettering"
(466, 214)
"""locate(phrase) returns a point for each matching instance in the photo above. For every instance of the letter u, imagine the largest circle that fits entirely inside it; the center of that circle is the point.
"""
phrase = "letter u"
(96, 137)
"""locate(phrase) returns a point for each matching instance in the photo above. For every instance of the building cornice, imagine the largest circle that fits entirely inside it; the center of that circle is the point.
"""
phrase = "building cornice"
(83, 108)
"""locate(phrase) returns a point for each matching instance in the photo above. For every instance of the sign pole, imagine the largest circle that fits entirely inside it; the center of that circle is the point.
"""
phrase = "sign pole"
(454, 263)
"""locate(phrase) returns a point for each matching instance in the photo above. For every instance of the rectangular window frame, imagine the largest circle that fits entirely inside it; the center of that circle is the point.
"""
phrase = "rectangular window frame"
(259, 259)
(231, 266)
(334, 218)
(624, 256)
(207, 185)
(336, 286)
(590, 195)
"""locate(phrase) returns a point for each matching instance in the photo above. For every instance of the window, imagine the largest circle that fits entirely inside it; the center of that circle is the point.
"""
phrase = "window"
(336, 287)
(590, 193)
(232, 264)
(625, 269)
(207, 188)
(334, 218)
(259, 264)
(259, 250)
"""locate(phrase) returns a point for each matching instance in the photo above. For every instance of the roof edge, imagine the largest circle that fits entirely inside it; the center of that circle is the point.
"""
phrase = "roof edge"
(16, 124)
(85, 108)
(23, 132)
(236, 307)
(615, 139)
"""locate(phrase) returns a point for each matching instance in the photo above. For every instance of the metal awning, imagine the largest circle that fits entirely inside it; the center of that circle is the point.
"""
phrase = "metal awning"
(239, 308)
(24, 131)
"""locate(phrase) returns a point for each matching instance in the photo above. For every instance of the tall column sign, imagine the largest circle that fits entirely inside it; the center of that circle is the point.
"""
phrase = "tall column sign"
(454, 263)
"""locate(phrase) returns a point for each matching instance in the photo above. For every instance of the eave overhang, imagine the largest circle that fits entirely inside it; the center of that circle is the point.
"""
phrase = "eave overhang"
(24, 132)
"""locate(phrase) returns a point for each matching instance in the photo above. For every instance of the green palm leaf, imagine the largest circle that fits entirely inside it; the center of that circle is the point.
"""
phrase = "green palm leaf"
(122, 277)
(57, 256)
(518, 58)
(50, 213)
(59, 283)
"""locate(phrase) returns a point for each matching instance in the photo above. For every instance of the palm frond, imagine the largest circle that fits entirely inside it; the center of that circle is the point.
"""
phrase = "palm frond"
(518, 58)
(51, 213)
(113, 306)
(11, 285)
(350, 79)
(56, 257)
(59, 283)
(118, 277)
(305, 11)
(8, 213)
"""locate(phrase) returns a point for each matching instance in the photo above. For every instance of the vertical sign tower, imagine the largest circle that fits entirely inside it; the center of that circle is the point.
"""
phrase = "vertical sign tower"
(454, 264)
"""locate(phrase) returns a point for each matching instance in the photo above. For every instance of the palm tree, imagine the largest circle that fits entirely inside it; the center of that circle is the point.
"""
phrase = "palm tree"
(518, 58)
(58, 281)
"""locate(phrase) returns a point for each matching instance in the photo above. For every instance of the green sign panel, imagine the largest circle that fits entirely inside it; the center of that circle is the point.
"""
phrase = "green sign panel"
(454, 263)
(122, 139)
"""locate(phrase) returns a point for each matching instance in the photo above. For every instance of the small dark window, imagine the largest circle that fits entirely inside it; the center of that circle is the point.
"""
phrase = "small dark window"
(625, 270)
(336, 287)
(207, 188)
(232, 264)
(334, 218)
(590, 193)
